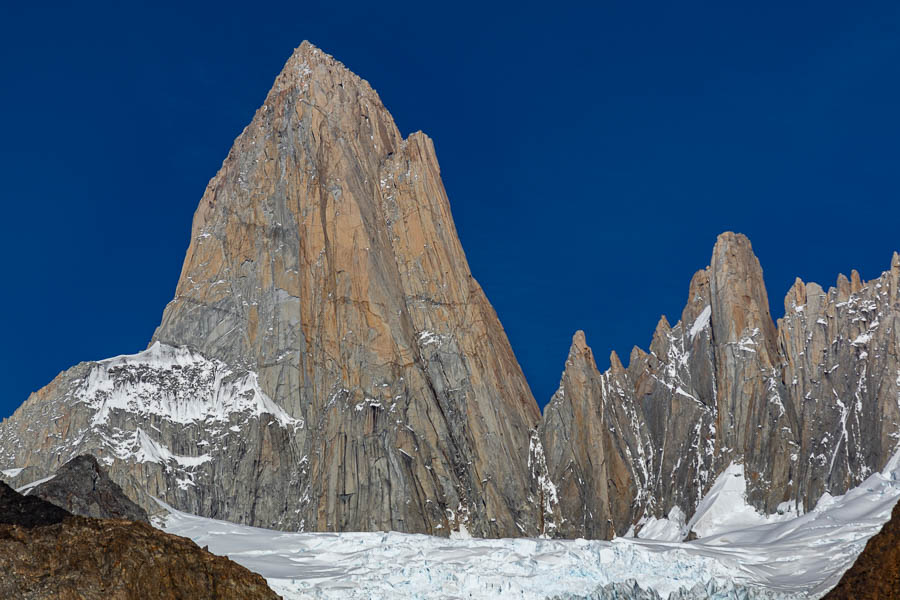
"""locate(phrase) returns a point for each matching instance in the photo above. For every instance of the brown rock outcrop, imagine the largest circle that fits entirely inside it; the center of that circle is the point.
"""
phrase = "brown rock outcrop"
(46, 553)
(876, 573)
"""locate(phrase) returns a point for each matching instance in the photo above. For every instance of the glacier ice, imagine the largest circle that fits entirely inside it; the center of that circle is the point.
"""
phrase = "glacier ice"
(746, 559)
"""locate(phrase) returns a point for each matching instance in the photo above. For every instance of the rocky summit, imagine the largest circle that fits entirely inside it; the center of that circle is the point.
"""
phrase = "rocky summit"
(82, 487)
(329, 363)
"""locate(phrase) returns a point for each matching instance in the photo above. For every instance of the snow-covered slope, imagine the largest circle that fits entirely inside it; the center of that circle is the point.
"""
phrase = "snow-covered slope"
(166, 422)
(796, 557)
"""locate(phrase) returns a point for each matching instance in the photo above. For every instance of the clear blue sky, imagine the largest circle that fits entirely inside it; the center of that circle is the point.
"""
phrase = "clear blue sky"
(591, 155)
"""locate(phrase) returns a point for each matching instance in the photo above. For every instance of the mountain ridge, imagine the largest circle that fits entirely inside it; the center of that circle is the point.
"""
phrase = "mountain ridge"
(725, 379)
(329, 363)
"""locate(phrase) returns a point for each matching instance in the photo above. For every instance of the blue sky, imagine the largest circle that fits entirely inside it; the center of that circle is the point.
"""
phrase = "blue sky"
(591, 155)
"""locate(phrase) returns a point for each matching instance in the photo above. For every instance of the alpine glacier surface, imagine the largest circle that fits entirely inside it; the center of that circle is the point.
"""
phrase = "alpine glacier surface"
(795, 557)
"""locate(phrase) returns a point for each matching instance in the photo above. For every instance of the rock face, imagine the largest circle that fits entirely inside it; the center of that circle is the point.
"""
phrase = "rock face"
(83, 488)
(328, 362)
(876, 573)
(808, 406)
(47, 553)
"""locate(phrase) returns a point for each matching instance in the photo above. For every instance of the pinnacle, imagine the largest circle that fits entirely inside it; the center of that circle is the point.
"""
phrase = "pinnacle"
(309, 52)
(729, 243)
(580, 351)
(579, 343)
(698, 282)
(663, 325)
(637, 354)
(730, 237)
(796, 296)
(615, 362)
(733, 262)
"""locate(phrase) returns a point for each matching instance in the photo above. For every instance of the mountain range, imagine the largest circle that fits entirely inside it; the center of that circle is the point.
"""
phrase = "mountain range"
(329, 363)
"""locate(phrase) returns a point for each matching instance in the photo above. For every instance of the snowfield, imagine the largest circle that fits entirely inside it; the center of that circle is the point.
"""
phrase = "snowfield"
(747, 556)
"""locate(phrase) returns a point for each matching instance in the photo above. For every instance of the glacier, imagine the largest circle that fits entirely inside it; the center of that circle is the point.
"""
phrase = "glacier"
(749, 557)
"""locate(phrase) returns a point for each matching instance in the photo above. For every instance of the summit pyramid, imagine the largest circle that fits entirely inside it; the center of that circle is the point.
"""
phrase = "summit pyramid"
(328, 361)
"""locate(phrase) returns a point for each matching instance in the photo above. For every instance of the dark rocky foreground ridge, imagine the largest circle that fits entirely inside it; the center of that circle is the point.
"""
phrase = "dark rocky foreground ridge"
(329, 363)
(876, 573)
(45, 553)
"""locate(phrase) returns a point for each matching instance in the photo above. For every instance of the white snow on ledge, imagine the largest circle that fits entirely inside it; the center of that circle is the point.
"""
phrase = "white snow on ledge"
(140, 447)
(178, 385)
(797, 557)
(701, 322)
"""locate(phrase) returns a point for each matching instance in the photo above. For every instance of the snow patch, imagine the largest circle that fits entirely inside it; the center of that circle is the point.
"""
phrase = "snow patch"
(670, 529)
(701, 322)
(25, 489)
(178, 385)
(862, 339)
(724, 508)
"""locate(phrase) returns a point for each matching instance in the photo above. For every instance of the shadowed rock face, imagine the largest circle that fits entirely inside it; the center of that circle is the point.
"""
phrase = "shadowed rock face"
(27, 511)
(343, 369)
(809, 405)
(876, 573)
(83, 488)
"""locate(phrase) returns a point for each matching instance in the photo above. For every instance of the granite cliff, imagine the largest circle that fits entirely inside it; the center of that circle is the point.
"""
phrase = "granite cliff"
(328, 361)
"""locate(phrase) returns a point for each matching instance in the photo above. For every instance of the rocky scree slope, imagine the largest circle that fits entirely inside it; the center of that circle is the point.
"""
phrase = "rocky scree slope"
(807, 406)
(328, 362)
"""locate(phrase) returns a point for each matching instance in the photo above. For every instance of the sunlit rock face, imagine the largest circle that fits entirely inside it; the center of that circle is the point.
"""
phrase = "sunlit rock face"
(328, 362)
(808, 405)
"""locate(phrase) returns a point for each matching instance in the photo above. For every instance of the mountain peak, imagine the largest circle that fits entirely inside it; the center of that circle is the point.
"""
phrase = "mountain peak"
(324, 259)
(730, 239)
(738, 292)
(796, 295)
(615, 363)
(579, 352)
(309, 64)
(579, 342)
